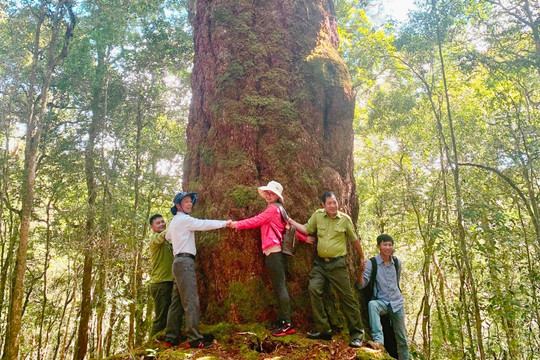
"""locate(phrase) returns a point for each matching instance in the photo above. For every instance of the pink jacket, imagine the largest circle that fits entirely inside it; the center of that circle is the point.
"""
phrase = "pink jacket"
(269, 219)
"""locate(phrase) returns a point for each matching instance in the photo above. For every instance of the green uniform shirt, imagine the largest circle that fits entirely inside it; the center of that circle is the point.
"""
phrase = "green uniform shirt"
(332, 234)
(161, 258)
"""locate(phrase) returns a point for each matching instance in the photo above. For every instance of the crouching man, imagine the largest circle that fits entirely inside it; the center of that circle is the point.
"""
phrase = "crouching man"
(382, 274)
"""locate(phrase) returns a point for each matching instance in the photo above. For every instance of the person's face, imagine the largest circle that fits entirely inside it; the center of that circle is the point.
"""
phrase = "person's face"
(158, 225)
(331, 206)
(386, 248)
(187, 204)
(270, 197)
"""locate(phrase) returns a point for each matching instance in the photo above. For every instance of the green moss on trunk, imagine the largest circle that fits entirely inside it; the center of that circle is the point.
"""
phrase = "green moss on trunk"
(272, 100)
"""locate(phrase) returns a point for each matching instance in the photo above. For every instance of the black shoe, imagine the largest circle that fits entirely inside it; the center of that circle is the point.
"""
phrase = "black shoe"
(208, 337)
(285, 329)
(356, 343)
(199, 344)
(320, 335)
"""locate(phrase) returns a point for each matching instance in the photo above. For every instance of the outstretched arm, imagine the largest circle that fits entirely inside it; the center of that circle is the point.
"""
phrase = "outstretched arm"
(194, 224)
(257, 220)
(299, 227)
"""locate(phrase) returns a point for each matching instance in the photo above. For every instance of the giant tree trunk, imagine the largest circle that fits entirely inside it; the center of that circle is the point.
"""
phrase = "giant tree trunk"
(272, 100)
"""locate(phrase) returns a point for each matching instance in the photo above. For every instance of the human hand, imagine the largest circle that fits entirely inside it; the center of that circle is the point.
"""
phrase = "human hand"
(231, 224)
(363, 265)
(310, 239)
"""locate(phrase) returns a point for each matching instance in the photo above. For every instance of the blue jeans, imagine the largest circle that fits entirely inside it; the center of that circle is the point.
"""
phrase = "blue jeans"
(376, 309)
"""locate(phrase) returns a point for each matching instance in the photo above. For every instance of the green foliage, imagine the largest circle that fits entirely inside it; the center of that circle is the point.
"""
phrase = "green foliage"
(404, 162)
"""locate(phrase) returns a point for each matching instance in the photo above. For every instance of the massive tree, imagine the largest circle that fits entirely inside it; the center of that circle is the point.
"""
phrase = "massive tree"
(272, 100)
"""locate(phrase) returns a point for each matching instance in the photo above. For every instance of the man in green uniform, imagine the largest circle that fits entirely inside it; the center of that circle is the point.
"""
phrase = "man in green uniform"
(161, 279)
(333, 228)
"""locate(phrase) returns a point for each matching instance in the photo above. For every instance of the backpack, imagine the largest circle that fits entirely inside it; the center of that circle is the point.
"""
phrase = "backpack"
(390, 342)
(368, 294)
(288, 238)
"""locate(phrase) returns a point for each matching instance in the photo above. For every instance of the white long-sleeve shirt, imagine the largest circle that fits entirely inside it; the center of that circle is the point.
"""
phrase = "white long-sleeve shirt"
(182, 229)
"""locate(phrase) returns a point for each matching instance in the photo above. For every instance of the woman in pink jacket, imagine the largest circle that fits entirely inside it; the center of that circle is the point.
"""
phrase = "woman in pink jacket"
(272, 228)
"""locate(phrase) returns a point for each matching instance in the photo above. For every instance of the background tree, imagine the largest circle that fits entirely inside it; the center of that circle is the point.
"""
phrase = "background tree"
(51, 32)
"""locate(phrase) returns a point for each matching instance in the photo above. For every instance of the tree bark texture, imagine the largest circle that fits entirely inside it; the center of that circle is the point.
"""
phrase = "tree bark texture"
(272, 100)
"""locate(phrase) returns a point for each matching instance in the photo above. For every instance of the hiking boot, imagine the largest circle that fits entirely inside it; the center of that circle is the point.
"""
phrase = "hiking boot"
(356, 343)
(320, 335)
(199, 344)
(208, 337)
(285, 329)
(376, 345)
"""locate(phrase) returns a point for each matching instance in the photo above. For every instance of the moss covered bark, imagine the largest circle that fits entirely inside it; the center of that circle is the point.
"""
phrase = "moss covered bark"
(272, 100)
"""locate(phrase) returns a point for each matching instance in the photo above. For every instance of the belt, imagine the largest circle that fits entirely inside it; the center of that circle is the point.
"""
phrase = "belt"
(185, 255)
(328, 259)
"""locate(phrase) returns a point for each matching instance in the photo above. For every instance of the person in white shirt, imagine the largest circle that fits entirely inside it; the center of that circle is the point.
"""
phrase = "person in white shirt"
(185, 298)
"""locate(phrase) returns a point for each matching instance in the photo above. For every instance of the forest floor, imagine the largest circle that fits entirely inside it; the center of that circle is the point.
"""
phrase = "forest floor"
(254, 342)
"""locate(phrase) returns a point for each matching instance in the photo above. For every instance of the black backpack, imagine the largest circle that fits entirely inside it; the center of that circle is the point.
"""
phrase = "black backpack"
(368, 290)
(390, 342)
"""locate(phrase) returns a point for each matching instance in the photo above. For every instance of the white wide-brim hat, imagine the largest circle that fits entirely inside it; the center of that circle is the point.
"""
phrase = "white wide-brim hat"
(272, 186)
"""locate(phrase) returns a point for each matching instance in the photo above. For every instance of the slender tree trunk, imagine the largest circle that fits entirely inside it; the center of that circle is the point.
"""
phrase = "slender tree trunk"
(8, 233)
(532, 267)
(108, 337)
(424, 231)
(141, 294)
(101, 302)
(67, 301)
(35, 123)
(66, 338)
(527, 170)
(99, 111)
(7, 264)
(133, 303)
(45, 268)
(11, 345)
(459, 203)
(442, 299)
(82, 339)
